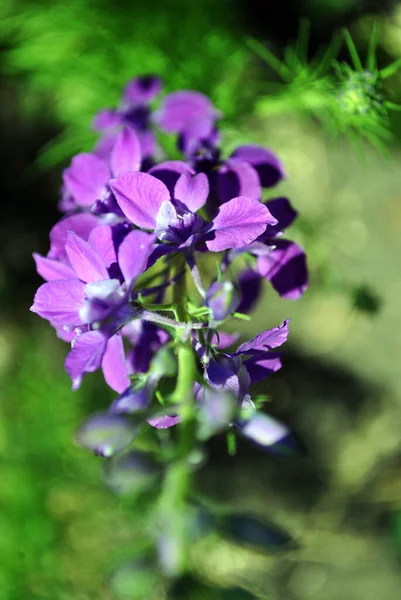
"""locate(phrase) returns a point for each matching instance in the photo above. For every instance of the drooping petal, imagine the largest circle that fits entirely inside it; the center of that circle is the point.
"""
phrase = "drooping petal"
(266, 163)
(86, 178)
(222, 298)
(85, 356)
(224, 339)
(169, 172)
(164, 422)
(272, 338)
(114, 365)
(192, 190)
(181, 108)
(133, 254)
(238, 223)
(131, 401)
(285, 267)
(60, 301)
(281, 210)
(52, 269)
(81, 224)
(237, 178)
(85, 261)
(106, 434)
(139, 196)
(126, 152)
(264, 430)
(131, 472)
(260, 366)
(142, 90)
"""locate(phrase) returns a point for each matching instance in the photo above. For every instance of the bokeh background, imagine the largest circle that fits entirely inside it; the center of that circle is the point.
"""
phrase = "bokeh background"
(340, 388)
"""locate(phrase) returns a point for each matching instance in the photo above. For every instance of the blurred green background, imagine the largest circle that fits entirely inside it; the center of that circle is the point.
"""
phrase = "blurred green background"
(340, 388)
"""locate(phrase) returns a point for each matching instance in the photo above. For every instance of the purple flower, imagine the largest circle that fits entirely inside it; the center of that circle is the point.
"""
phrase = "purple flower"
(95, 295)
(85, 181)
(147, 203)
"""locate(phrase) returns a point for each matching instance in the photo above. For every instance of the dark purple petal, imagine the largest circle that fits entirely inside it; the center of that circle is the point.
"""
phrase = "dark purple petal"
(264, 430)
(85, 356)
(285, 267)
(224, 339)
(169, 172)
(222, 375)
(142, 90)
(106, 434)
(86, 263)
(60, 301)
(101, 239)
(133, 254)
(262, 365)
(86, 178)
(181, 108)
(192, 190)
(52, 269)
(126, 152)
(237, 178)
(81, 224)
(139, 196)
(114, 365)
(266, 163)
(272, 338)
(238, 223)
(250, 286)
(281, 210)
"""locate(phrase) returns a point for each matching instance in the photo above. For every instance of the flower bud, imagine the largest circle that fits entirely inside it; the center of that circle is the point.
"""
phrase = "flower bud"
(223, 299)
(106, 434)
(131, 472)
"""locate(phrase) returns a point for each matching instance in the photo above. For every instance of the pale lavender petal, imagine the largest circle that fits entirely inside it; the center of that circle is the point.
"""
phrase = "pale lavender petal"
(126, 152)
(86, 178)
(85, 356)
(102, 241)
(114, 365)
(86, 263)
(266, 163)
(139, 196)
(264, 430)
(106, 434)
(237, 178)
(106, 119)
(181, 108)
(60, 301)
(142, 90)
(238, 223)
(52, 269)
(133, 254)
(164, 422)
(82, 224)
(285, 267)
(169, 172)
(192, 190)
(266, 340)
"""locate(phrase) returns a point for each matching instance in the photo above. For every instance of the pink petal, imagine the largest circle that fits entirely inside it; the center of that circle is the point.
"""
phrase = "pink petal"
(85, 357)
(86, 263)
(133, 254)
(192, 190)
(60, 301)
(126, 152)
(114, 365)
(101, 240)
(86, 178)
(52, 269)
(82, 224)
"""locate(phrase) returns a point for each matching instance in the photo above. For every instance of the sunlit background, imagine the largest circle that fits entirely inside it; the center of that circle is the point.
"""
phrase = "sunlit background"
(61, 531)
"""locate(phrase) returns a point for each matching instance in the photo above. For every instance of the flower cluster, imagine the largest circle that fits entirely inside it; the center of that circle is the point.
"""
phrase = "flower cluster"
(123, 285)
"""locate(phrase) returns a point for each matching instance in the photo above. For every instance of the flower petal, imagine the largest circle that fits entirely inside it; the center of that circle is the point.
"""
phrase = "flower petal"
(250, 287)
(260, 366)
(126, 152)
(266, 340)
(114, 365)
(139, 196)
(192, 190)
(106, 434)
(86, 178)
(266, 163)
(85, 261)
(60, 301)
(285, 267)
(238, 223)
(142, 90)
(85, 356)
(82, 224)
(281, 210)
(264, 430)
(101, 239)
(237, 178)
(133, 254)
(169, 172)
(180, 108)
(52, 269)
